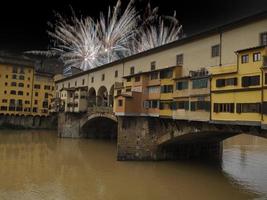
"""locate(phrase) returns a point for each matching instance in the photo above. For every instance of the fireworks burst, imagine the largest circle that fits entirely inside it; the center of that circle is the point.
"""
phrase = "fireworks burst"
(85, 43)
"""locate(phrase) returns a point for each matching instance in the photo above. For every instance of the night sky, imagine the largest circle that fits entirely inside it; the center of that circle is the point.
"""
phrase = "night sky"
(24, 24)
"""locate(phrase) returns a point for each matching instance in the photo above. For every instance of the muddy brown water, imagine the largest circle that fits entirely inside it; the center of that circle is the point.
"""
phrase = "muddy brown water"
(36, 165)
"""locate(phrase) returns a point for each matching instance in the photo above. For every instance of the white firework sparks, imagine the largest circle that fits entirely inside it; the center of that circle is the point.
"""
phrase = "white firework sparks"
(116, 30)
(85, 44)
(156, 31)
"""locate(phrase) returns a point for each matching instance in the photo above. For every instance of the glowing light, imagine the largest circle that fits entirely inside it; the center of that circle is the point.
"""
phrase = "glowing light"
(85, 43)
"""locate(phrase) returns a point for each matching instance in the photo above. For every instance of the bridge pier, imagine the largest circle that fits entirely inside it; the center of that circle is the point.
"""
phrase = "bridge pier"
(69, 125)
(140, 138)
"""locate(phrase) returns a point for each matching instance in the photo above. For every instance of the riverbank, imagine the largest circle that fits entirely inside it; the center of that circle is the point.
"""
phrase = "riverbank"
(28, 122)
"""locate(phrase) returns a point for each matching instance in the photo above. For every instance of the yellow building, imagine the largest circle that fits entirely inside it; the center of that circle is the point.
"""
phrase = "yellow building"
(22, 90)
(165, 93)
(238, 91)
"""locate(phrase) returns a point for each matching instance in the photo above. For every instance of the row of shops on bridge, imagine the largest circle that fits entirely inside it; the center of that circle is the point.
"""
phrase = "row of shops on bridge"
(235, 94)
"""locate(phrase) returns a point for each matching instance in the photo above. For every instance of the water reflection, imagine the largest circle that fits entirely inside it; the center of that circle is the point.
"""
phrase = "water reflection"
(245, 162)
(38, 165)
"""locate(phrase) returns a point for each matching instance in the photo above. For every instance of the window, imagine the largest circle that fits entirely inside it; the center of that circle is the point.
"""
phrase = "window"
(83, 82)
(75, 83)
(6, 83)
(154, 104)
(128, 89)
(264, 108)
(14, 76)
(167, 89)
(200, 105)
(184, 105)
(182, 85)
(20, 93)
(37, 86)
(4, 100)
(166, 74)
(128, 79)
(27, 102)
(256, 57)
(21, 84)
(224, 107)
(250, 81)
(137, 79)
(215, 50)
(265, 78)
(6, 76)
(46, 95)
(13, 84)
(47, 87)
(248, 107)
(103, 77)
(154, 89)
(116, 73)
(226, 82)
(120, 102)
(4, 108)
(68, 85)
(36, 94)
(132, 70)
(29, 78)
(35, 102)
(180, 59)
(154, 75)
(153, 65)
(245, 58)
(263, 38)
(200, 83)
(13, 92)
(22, 71)
(92, 79)
(45, 104)
(15, 70)
(35, 110)
(21, 77)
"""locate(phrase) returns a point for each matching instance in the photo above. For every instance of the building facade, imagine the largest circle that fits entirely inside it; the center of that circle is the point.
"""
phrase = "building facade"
(178, 80)
(23, 90)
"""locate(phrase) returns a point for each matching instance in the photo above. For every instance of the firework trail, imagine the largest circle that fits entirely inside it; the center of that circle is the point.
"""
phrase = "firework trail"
(85, 43)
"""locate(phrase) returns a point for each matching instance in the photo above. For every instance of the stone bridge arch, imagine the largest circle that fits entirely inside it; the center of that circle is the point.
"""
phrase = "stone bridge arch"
(146, 138)
(100, 125)
(92, 97)
(102, 96)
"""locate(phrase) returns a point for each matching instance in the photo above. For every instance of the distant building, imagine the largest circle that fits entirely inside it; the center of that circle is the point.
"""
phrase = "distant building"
(23, 90)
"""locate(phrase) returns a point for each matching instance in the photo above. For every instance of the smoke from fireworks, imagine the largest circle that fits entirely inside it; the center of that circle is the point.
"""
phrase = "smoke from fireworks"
(85, 43)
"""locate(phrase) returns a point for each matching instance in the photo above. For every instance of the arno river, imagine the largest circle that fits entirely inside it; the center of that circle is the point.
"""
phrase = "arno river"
(36, 165)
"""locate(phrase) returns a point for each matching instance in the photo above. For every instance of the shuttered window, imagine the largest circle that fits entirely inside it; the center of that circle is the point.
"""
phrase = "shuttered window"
(248, 107)
(226, 82)
(224, 107)
(250, 81)
(264, 108)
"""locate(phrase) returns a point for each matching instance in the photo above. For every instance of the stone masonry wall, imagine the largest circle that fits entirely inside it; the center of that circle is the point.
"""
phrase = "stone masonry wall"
(28, 122)
(139, 137)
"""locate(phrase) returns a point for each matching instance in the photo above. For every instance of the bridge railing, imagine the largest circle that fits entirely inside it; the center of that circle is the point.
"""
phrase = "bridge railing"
(100, 109)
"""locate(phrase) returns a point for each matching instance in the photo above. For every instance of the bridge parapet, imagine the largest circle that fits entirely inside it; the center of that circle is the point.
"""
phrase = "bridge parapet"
(99, 109)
